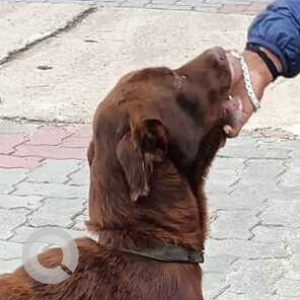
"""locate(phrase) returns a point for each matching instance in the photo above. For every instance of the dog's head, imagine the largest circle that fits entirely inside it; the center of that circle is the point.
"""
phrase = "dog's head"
(152, 116)
(169, 112)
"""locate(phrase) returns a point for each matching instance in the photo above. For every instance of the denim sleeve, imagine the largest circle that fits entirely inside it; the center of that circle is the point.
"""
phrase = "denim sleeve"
(278, 29)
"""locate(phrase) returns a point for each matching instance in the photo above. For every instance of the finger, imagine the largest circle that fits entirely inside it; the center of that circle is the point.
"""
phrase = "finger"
(230, 131)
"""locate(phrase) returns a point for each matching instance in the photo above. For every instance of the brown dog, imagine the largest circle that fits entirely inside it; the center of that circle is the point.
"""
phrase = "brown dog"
(154, 138)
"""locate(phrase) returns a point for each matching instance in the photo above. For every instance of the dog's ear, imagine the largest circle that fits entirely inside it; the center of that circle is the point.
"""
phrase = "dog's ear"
(138, 151)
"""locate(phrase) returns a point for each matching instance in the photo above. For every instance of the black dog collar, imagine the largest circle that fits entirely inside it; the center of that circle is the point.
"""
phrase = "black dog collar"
(165, 252)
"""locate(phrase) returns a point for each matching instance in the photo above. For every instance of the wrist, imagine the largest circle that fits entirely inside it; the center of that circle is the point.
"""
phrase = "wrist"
(260, 74)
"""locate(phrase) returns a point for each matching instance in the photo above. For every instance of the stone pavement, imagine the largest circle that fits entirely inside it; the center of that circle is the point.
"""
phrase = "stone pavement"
(250, 7)
(58, 55)
(253, 252)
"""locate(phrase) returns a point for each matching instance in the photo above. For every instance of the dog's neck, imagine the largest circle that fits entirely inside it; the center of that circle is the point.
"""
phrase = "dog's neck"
(170, 213)
(174, 212)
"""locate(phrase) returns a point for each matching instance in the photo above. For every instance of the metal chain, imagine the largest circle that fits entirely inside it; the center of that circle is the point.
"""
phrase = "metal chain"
(247, 81)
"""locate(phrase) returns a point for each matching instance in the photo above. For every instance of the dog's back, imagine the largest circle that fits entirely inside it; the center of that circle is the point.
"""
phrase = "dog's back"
(106, 275)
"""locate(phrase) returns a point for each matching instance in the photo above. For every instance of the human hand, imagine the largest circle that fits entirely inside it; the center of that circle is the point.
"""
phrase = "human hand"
(239, 108)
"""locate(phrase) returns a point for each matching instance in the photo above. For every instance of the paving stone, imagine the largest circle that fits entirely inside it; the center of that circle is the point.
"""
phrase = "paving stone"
(249, 296)
(257, 7)
(240, 199)
(211, 6)
(54, 190)
(293, 263)
(7, 127)
(82, 176)
(10, 219)
(288, 287)
(168, 7)
(218, 264)
(82, 131)
(54, 171)
(13, 202)
(208, 8)
(278, 234)
(213, 284)
(269, 171)
(221, 163)
(257, 276)
(8, 142)
(283, 193)
(230, 296)
(290, 145)
(58, 212)
(220, 180)
(9, 177)
(22, 234)
(226, 177)
(234, 225)
(234, 8)
(11, 162)
(12, 176)
(77, 142)
(49, 135)
(163, 1)
(237, 2)
(246, 249)
(284, 213)
(8, 266)
(291, 177)
(54, 152)
(134, 3)
(250, 150)
(189, 2)
(10, 250)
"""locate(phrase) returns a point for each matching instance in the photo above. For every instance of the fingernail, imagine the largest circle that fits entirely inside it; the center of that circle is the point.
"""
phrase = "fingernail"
(228, 129)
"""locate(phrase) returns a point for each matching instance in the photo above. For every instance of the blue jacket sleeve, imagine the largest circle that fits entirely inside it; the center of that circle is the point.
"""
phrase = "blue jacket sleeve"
(278, 30)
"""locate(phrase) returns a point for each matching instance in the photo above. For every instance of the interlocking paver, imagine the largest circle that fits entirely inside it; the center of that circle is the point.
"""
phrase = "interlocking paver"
(288, 287)
(7, 265)
(82, 176)
(9, 177)
(12, 202)
(48, 151)
(215, 283)
(246, 249)
(23, 234)
(8, 142)
(254, 240)
(11, 219)
(269, 234)
(58, 212)
(50, 136)
(234, 224)
(54, 190)
(257, 276)
(10, 250)
(251, 7)
(54, 171)
(289, 213)
(11, 161)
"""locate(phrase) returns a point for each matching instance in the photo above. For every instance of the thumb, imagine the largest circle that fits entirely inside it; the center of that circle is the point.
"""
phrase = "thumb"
(231, 132)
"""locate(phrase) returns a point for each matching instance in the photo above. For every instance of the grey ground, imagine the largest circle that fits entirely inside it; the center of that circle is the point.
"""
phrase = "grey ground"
(253, 195)
(253, 252)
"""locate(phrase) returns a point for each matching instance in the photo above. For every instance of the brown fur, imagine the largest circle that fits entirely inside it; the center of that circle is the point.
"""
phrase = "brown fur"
(154, 137)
